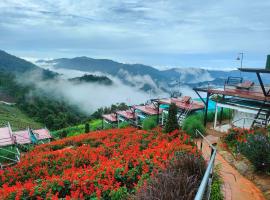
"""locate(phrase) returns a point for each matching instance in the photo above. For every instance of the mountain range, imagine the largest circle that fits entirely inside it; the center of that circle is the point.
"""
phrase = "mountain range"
(148, 77)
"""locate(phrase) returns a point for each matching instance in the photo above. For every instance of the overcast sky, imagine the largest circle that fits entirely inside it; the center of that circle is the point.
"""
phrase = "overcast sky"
(189, 33)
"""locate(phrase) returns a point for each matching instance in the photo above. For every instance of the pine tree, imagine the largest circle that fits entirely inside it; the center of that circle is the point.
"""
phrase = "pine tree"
(172, 123)
(86, 128)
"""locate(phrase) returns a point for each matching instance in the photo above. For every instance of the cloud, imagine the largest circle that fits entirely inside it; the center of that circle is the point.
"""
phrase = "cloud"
(88, 96)
(150, 32)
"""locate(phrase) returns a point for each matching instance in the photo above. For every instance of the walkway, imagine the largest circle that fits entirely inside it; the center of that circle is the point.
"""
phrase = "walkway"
(236, 186)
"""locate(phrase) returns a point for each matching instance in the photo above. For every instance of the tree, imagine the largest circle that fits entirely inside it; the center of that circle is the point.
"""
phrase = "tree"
(86, 128)
(172, 123)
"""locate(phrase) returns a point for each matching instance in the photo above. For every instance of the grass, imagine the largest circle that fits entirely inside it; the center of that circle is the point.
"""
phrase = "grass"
(17, 119)
(216, 187)
(79, 129)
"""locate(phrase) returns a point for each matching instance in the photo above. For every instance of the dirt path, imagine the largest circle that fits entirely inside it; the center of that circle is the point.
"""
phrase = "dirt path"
(236, 186)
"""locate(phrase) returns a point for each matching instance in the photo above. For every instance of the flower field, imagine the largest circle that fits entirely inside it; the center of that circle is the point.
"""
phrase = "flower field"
(109, 164)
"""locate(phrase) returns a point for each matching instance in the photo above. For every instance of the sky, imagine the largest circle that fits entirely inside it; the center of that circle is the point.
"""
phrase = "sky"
(161, 33)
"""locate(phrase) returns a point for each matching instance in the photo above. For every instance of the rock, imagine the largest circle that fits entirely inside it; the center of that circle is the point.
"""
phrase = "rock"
(242, 167)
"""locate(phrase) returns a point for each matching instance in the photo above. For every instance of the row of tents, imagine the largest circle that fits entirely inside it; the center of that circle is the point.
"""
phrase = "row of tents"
(13, 143)
(136, 114)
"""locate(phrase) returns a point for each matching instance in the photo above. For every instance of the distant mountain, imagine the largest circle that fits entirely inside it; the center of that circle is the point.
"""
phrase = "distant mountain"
(15, 65)
(105, 66)
(89, 78)
(146, 77)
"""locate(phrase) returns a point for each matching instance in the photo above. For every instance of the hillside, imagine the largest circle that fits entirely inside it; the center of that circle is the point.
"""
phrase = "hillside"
(36, 103)
(15, 65)
(17, 119)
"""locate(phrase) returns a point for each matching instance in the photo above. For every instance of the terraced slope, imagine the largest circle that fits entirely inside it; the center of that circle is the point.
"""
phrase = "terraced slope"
(17, 119)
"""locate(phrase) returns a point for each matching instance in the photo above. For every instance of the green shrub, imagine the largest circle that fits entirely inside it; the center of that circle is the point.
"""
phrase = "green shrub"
(257, 150)
(227, 114)
(216, 193)
(123, 125)
(121, 193)
(86, 128)
(192, 123)
(149, 123)
(172, 122)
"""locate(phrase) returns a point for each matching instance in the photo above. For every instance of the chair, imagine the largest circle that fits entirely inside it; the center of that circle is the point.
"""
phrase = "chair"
(245, 85)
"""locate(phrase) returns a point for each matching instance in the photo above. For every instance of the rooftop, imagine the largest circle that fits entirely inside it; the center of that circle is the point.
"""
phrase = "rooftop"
(191, 105)
(128, 114)
(256, 94)
(110, 117)
(148, 109)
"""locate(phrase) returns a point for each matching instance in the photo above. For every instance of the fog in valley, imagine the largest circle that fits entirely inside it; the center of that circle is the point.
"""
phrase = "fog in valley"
(91, 96)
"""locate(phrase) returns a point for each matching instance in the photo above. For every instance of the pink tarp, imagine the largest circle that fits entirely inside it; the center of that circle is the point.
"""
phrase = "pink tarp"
(5, 137)
(22, 137)
(42, 134)
(128, 114)
(110, 117)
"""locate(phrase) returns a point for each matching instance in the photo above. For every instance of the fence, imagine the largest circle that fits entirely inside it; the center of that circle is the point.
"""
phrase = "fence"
(204, 190)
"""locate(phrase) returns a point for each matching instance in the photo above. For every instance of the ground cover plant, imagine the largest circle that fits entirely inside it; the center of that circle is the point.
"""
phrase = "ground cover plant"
(111, 164)
(253, 144)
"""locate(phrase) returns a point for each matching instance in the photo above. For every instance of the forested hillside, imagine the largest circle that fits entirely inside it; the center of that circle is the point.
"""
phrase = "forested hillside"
(89, 78)
(38, 105)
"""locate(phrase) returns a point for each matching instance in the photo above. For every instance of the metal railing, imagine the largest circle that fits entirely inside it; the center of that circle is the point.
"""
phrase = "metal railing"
(245, 119)
(204, 190)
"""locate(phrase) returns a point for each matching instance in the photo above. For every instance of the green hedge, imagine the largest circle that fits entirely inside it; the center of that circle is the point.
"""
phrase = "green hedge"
(149, 123)
(192, 123)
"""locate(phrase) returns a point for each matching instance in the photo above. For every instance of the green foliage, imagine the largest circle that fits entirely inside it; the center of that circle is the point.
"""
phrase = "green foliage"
(149, 123)
(227, 114)
(78, 129)
(192, 123)
(89, 78)
(106, 110)
(86, 128)
(257, 150)
(121, 193)
(172, 123)
(216, 193)
(123, 124)
(40, 106)
(63, 134)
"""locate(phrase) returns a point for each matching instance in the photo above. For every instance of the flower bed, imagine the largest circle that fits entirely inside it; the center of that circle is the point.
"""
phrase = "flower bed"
(108, 164)
(253, 144)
